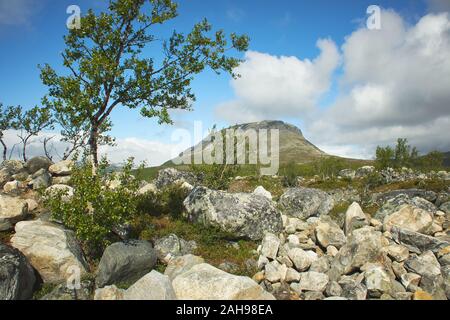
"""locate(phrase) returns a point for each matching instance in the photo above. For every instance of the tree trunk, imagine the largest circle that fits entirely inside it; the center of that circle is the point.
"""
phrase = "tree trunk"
(93, 148)
(24, 150)
(5, 149)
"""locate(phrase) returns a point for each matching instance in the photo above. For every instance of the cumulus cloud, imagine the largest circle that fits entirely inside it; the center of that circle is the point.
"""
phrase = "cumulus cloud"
(395, 84)
(438, 5)
(152, 152)
(272, 86)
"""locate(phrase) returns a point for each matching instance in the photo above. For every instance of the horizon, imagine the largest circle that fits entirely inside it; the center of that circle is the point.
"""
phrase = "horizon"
(346, 87)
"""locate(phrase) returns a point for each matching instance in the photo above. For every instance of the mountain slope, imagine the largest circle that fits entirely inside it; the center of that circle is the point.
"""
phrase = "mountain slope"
(294, 147)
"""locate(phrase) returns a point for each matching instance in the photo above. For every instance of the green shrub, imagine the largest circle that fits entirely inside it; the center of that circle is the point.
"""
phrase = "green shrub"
(168, 201)
(96, 208)
(289, 173)
(216, 176)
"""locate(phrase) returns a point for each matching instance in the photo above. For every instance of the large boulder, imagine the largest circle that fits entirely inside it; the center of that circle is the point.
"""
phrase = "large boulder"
(270, 245)
(52, 250)
(304, 203)
(17, 278)
(242, 215)
(62, 168)
(5, 176)
(65, 191)
(153, 286)
(328, 233)
(40, 179)
(393, 205)
(37, 163)
(364, 171)
(171, 176)
(12, 210)
(417, 242)
(180, 265)
(13, 166)
(205, 282)
(409, 218)
(125, 262)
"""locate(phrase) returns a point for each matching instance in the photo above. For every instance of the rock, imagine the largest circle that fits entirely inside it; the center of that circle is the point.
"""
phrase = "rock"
(328, 234)
(180, 265)
(53, 251)
(333, 289)
(377, 282)
(63, 293)
(262, 261)
(354, 218)
(62, 180)
(393, 205)
(241, 215)
(409, 218)
(109, 293)
(12, 187)
(293, 240)
(303, 203)
(17, 278)
(347, 174)
(148, 188)
(332, 251)
(313, 281)
(37, 163)
(425, 264)
(12, 210)
(292, 275)
(32, 204)
(410, 280)
(171, 246)
(41, 179)
(397, 252)
(125, 262)
(363, 246)
(62, 168)
(153, 286)
(204, 282)
(408, 194)
(55, 190)
(417, 242)
(12, 166)
(422, 295)
(313, 295)
(274, 272)
(171, 176)
(352, 289)
(300, 258)
(364, 171)
(270, 245)
(260, 191)
(5, 176)
(445, 207)
(320, 265)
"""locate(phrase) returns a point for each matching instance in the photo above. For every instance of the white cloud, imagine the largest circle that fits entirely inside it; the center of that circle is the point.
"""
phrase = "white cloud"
(273, 87)
(438, 5)
(396, 84)
(152, 152)
(18, 12)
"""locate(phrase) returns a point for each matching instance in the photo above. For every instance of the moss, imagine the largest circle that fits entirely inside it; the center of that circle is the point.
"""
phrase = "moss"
(43, 290)
(5, 236)
(213, 245)
(436, 185)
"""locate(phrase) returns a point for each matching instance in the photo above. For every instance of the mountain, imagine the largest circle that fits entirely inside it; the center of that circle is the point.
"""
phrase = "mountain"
(294, 147)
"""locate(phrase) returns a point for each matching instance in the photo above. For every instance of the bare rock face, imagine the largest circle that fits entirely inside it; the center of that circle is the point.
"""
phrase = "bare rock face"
(52, 250)
(242, 215)
(17, 278)
(205, 282)
(303, 203)
(12, 210)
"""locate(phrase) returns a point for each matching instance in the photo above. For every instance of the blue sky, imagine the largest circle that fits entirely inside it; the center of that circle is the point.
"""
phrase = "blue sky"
(31, 33)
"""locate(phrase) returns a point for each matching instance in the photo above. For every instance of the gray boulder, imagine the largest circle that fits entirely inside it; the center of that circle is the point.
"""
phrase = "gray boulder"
(394, 204)
(37, 163)
(62, 293)
(170, 176)
(12, 210)
(125, 262)
(328, 233)
(241, 215)
(41, 179)
(17, 277)
(364, 171)
(417, 242)
(172, 246)
(303, 203)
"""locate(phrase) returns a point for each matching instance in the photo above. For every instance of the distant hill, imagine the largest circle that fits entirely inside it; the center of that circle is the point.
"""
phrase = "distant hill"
(294, 147)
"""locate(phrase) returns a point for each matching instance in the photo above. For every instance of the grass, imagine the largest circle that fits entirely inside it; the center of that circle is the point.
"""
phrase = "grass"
(212, 245)
(249, 184)
(44, 289)
(5, 236)
(435, 185)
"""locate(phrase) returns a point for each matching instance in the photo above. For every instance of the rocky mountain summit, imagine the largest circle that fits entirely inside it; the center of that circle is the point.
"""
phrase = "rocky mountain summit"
(293, 145)
(390, 243)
